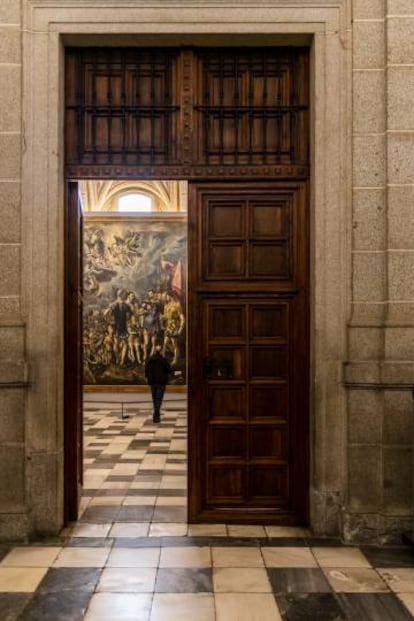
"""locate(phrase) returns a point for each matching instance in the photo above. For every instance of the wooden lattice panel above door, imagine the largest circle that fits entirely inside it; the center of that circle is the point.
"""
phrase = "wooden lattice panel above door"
(251, 107)
(121, 107)
(185, 113)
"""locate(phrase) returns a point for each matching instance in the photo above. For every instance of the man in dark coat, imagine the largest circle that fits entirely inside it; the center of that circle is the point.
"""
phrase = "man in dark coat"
(157, 371)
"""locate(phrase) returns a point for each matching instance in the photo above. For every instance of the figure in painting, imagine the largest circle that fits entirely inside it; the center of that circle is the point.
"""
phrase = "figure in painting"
(97, 269)
(121, 313)
(96, 245)
(108, 342)
(125, 250)
(151, 323)
(173, 323)
(134, 330)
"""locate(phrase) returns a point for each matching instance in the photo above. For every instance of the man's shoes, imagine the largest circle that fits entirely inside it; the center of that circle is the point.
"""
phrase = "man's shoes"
(156, 419)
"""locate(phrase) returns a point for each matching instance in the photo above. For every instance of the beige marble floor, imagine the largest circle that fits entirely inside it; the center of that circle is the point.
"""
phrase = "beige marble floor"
(122, 562)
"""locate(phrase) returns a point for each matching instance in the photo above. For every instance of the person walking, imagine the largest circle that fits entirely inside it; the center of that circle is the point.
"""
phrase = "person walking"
(157, 371)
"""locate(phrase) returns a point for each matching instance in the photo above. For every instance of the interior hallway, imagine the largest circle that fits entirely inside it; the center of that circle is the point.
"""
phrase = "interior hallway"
(134, 471)
(132, 556)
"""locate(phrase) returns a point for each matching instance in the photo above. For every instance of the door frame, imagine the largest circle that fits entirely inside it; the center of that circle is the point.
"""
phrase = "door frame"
(288, 172)
(73, 352)
(328, 29)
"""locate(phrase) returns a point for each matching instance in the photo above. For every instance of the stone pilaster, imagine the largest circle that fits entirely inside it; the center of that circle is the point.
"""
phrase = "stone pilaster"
(381, 342)
(398, 437)
(13, 373)
(365, 332)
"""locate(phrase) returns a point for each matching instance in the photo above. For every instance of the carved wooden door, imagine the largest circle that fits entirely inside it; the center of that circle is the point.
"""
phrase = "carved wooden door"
(73, 392)
(241, 116)
(248, 352)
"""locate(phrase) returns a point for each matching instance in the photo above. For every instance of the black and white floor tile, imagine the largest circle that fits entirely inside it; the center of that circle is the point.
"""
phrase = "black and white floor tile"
(132, 556)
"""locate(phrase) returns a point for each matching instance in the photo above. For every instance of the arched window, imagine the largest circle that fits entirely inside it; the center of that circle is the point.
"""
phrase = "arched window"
(134, 201)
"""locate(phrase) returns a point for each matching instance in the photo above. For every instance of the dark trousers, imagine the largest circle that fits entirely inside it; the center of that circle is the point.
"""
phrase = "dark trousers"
(157, 391)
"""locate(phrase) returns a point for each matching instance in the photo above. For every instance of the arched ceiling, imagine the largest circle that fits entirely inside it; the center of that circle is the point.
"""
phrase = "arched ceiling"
(102, 195)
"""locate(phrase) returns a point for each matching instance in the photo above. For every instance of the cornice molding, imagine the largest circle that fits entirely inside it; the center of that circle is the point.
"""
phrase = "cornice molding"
(165, 4)
(45, 15)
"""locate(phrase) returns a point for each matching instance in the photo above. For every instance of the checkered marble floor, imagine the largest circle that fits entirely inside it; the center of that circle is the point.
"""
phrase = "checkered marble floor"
(134, 471)
(132, 556)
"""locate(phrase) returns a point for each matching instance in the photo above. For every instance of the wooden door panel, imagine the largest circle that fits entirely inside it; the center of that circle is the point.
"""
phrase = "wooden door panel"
(267, 442)
(226, 219)
(226, 322)
(268, 401)
(269, 486)
(269, 321)
(251, 238)
(226, 443)
(247, 397)
(226, 485)
(269, 260)
(271, 220)
(73, 387)
(226, 260)
(226, 402)
(227, 361)
(249, 405)
(268, 362)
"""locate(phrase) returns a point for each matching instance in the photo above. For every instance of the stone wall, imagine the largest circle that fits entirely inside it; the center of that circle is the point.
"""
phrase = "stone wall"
(363, 262)
(381, 331)
(13, 509)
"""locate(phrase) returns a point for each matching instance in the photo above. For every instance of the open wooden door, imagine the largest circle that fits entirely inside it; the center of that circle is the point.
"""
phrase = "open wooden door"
(248, 352)
(73, 392)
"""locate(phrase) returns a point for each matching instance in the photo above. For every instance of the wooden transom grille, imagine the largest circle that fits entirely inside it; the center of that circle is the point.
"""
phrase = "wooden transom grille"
(120, 107)
(250, 108)
(178, 112)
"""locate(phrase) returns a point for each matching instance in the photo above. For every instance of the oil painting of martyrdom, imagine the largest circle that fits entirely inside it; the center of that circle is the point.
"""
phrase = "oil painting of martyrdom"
(134, 296)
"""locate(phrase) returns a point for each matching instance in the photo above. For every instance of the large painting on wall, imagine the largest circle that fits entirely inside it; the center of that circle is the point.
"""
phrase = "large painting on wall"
(134, 296)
